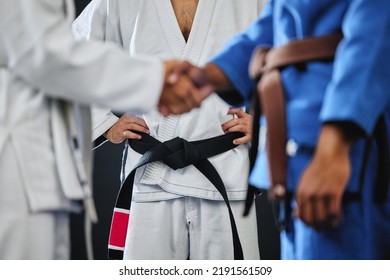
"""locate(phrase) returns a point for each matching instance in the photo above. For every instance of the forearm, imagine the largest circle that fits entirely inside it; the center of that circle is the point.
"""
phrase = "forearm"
(46, 56)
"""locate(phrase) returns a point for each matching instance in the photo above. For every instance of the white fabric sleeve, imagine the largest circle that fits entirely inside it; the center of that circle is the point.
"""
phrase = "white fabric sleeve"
(40, 49)
(102, 120)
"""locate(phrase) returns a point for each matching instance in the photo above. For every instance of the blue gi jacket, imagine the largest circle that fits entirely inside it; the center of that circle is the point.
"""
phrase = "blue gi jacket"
(355, 87)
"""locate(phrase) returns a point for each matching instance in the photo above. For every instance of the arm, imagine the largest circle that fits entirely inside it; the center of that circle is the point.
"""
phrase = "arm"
(42, 51)
(99, 21)
(359, 77)
(356, 96)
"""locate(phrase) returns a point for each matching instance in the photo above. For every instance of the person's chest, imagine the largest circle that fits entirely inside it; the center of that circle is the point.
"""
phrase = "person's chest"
(185, 13)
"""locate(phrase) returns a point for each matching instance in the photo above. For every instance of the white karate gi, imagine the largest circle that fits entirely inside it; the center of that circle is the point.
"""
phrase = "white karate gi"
(40, 65)
(169, 225)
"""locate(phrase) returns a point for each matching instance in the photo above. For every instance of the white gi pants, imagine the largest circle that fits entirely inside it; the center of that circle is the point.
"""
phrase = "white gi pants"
(188, 228)
(26, 235)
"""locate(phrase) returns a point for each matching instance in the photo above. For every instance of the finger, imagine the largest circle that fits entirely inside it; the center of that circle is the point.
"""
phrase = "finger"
(197, 76)
(131, 135)
(138, 121)
(309, 211)
(164, 110)
(201, 82)
(242, 140)
(334, 214)
(173, 77)
(236, 111)
(170, 73)
(192, 97)
(115, 133)
(183, 67)
(320, 213)
(177, 70)
(195, 95)
(137, 127)
(230, 123)
(237, 128)
(305, 210)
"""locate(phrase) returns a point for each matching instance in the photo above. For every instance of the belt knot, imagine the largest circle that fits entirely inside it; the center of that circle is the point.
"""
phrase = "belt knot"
(182, 153)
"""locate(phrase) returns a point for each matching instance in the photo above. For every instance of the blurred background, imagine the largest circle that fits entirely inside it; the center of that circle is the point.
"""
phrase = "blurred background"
(107, 161)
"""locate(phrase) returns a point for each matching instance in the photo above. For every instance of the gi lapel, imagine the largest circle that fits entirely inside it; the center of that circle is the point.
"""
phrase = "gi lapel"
(200, 27)
(170, 27)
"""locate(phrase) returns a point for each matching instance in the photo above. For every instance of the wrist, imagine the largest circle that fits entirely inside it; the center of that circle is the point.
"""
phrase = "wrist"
(332, 142)
(106, 134)
(222, 85)
(216, 78)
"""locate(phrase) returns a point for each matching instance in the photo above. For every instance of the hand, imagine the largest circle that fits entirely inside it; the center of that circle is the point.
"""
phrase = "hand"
(180, 94)
(241, 124)
(125, 128)
(320, 190)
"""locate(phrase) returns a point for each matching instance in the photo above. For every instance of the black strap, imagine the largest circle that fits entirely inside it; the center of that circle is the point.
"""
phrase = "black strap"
(381, 187)
(179, 153)
(256, 113)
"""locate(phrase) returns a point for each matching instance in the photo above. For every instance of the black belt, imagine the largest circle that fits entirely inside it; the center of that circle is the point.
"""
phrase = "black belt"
(176, 153)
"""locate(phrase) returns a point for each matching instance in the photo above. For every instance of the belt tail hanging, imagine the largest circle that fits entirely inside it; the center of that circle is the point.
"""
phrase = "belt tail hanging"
(120, 219)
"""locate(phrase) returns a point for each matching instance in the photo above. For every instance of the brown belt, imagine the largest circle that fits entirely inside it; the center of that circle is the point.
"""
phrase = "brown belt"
(265, 68)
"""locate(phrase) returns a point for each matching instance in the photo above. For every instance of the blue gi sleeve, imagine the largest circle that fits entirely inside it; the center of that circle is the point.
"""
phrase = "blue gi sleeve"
(358, 91)
(234, 58)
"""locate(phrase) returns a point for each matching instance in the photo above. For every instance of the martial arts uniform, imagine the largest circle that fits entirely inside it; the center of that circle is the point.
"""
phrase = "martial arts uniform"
(177, 214)
(42, 69)
(352, 88)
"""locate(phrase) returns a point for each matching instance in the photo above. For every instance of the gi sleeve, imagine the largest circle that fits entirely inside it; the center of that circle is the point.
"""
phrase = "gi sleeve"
(358, 91)
(42, 51)
(93, 24)
(102, 120)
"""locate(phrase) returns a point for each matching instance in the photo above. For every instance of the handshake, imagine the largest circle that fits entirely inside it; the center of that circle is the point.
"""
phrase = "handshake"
(186, 86)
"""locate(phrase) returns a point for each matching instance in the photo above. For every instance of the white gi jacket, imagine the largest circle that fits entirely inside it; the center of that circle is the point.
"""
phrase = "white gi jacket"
(150, 27)
(41, 65)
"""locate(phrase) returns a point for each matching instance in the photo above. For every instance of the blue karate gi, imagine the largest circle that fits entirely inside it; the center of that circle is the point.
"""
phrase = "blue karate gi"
(354, 87)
